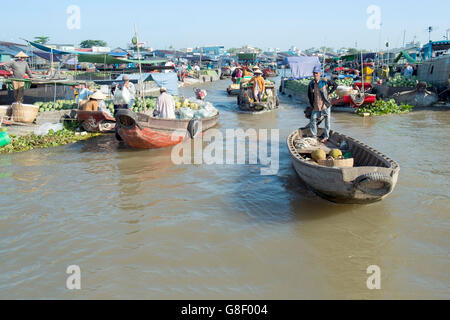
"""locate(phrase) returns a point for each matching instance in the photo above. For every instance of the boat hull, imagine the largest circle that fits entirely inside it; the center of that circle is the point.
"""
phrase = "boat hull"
(144, 132)
(345, 185)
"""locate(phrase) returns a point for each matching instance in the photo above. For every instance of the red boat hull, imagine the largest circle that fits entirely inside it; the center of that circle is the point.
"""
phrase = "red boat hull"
(149, 139)
(348, 100)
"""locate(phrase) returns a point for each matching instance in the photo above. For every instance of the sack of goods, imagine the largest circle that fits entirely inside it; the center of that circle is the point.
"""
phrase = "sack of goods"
(122, 96)
(186, 113)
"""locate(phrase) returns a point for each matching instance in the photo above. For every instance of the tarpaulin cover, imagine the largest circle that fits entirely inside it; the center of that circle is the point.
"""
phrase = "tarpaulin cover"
(46, 56)
(302, 67)
(136, 77)
(167, 80)
(47, 49)
(107, 59)
(405, 55)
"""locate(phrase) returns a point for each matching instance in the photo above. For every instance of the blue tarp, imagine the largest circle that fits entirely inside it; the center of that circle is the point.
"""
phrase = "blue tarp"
(46, 56)
(302, 67)
(168, 80)
(47, 49)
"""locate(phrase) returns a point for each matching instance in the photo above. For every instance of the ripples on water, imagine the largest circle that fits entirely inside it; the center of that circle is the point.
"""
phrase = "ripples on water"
(141, 227)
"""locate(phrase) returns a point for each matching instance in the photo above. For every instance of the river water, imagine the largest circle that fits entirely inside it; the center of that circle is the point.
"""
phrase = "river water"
(141, 227)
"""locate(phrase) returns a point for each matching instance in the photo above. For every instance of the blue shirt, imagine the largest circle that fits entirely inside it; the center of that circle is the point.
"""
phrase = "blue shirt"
(84, 94)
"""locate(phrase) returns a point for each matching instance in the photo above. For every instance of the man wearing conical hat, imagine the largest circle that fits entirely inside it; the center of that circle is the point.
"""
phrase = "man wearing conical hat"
(18, 68)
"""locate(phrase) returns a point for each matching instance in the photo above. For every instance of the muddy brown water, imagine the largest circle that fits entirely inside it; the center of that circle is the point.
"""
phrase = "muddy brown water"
(141, 227)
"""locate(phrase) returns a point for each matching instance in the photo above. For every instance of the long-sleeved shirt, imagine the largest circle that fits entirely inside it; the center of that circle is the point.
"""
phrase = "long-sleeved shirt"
(19, 68)
(259, 81)
(165, 105)
(132, 90)
(84, 94)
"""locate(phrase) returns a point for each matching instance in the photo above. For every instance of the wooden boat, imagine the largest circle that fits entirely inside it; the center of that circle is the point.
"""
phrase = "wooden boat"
(270, 73)
(234, 89)
(96, 121)
(142, 131)
(373, 177)
(246, 103)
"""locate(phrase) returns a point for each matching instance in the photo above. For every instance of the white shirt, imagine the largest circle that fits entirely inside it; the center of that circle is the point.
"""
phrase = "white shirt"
(132, 90)
(165, 104)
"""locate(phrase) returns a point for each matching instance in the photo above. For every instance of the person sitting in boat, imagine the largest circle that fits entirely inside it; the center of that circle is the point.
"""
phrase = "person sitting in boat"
(165, 105)
(96, 102)
(85, 92)
(319, 92)
(259, 85)
(237, 73)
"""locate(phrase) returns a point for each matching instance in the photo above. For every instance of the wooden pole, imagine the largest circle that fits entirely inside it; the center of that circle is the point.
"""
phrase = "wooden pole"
(139, 59)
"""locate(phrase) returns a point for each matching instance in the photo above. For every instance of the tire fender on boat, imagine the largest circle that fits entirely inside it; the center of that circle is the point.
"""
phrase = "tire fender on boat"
(193, 128)
(363, 183)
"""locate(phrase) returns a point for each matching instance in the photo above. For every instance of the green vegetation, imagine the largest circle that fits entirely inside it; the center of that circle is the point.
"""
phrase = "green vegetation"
(42, 39)
(382, 107)
(300, 86)
(52, 139)
(400, 81)
(86, 44)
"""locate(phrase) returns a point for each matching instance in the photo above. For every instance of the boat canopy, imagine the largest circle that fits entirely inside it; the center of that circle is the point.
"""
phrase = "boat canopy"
(302, 67)
(169, 80)
(406, 55)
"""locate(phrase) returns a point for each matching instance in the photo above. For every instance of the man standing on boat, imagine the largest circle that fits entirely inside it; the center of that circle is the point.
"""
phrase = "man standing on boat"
(258, 85)
(319, 92)
(19, 68)
(131, 89)
(165, 105)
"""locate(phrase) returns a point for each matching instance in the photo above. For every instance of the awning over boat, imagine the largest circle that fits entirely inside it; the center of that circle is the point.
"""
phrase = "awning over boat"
(302, 67)
(47, 56)
(168, 80)
(47, 49)
(405, 55)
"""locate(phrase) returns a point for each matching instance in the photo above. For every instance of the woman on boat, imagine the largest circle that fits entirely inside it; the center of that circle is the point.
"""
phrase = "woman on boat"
(96, 102)
(258, 85)
(84, 94)
(237, 73)
(165, 105)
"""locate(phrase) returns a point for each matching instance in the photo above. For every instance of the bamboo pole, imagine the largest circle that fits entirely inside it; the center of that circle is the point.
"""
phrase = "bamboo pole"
(139, 60)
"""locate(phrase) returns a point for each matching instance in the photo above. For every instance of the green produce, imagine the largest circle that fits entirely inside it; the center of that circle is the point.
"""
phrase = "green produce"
(53, 139)
(336, 154)
(319, 154)
(400, 81)
(381, 107)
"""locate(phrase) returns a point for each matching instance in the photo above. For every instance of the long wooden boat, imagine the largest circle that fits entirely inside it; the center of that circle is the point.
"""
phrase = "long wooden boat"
(247, 104)
(139, 130)
(373, 177)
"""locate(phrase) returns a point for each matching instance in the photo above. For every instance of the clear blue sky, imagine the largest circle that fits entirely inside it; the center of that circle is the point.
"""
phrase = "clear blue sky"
(232, 23)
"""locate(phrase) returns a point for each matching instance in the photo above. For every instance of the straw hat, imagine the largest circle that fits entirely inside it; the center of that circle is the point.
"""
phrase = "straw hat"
(21, 54)
(163, 89)
(98, 95)
(256, 68)
(257, 71)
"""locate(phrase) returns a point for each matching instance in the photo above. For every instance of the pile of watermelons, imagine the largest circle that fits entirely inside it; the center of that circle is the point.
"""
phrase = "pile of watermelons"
(56, 106)
(138, 106)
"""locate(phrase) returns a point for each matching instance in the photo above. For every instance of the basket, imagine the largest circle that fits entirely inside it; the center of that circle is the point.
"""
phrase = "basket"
(25, 113)
(341, 163)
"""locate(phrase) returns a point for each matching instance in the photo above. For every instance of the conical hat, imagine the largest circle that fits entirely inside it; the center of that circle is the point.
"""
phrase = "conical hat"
(98, 95)
(21, 54)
